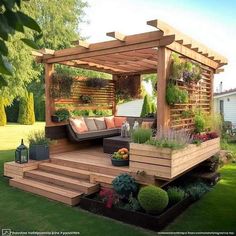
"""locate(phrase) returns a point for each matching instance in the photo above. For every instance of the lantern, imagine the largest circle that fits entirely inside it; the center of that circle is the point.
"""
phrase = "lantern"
(21, 154)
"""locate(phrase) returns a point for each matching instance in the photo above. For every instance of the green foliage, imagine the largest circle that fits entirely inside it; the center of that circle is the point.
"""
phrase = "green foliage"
(146, 108)
(187, 113)
(96, 83)
(199, 123)
(132, 205)
(12, 111)
(30, 108)
(61, 85)
(214, 122)
(176, 68)
(85, 98)
(174, 95)
(196, 190)
(26, 114)
(169, 138)
(38, 138)
(3, 117)
(153, 199)
(141, 135)
(122, 96)
(175, 195)
(63, 114)
(13, 19)
(125, 185)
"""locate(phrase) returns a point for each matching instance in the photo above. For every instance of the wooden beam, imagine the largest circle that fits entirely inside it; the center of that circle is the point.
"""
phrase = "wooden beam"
(117, 35)
(128, 45)
(187, 41)
(81, 43)
(163, 67)
(49, 102)
(46, 51)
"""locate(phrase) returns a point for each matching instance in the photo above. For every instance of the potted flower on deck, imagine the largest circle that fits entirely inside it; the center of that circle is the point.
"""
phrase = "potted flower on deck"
(120, 158)
(38, 146)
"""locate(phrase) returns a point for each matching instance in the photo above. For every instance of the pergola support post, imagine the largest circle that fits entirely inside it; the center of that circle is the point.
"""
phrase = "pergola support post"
(163, 68)
(49, 102)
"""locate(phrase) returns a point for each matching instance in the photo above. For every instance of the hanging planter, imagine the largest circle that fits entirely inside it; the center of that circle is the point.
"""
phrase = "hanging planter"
(96, 83)
(86, 99)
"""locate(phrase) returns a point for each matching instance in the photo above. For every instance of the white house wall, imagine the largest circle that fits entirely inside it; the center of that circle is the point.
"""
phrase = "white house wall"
(229, 107)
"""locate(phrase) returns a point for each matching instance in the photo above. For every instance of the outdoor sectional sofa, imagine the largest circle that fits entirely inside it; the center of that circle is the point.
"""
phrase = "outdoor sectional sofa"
(104, 132)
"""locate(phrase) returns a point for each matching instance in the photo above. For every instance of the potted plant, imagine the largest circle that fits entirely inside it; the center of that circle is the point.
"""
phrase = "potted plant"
(96, 83)
(38, 146)
(120, 158)
(60, 115)
(85, 99)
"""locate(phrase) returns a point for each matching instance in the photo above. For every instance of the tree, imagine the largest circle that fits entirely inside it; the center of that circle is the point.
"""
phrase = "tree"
(3, 117)
(22, 117)
(12, 19)
(30, 107)
(146, 108)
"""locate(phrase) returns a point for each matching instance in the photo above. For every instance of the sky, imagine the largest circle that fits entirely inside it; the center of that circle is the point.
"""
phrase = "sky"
(211, 22)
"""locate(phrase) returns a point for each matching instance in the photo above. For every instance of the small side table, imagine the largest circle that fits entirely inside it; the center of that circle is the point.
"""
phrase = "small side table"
(113, 144)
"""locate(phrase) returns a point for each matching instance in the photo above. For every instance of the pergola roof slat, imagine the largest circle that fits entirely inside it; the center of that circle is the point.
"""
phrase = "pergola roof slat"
(117, 35)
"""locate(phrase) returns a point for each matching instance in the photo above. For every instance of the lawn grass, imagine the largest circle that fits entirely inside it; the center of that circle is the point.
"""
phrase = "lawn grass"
(22, 211)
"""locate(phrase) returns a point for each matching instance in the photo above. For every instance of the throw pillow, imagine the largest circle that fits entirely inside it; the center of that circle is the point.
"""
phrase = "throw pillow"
(119, 121)
(100, 123)
(110, 123)
(78, 125)
(90, 124)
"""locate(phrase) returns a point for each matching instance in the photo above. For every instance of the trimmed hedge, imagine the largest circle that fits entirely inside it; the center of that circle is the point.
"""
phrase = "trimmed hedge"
(12, 111)
(3, 117)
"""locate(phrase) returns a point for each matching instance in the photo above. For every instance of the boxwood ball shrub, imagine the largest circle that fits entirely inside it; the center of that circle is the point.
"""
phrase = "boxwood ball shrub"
(125, 185)
(153, 199)
(175, 195)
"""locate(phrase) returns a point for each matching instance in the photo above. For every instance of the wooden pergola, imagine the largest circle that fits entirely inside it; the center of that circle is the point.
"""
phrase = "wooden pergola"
(133, 55)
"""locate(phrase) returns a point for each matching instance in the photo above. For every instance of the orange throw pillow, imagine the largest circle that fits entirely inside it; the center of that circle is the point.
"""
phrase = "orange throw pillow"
(110, 123)
(78, 125)
(119, 121)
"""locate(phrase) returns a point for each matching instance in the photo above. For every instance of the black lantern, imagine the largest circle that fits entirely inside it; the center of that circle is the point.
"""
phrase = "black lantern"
(21, 154)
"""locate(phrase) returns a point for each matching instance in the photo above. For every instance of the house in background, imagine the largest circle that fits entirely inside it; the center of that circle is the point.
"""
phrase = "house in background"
(225, 104)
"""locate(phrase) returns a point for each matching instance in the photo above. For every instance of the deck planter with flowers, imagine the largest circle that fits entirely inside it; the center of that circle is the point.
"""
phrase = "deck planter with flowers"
(166, 163)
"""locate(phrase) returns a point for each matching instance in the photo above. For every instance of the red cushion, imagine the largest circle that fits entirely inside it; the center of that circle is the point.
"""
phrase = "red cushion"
(78, 125)
(110, 122)
(119, 121)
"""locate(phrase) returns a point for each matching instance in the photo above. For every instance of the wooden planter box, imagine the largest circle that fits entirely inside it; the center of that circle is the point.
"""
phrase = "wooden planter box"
(133, 217)
(166, 163)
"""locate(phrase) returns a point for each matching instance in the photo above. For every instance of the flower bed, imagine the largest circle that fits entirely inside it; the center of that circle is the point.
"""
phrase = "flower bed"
(167, 163)
(141, 219)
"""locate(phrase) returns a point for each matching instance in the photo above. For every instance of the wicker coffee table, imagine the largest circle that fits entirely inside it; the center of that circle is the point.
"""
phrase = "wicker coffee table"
(112, 144)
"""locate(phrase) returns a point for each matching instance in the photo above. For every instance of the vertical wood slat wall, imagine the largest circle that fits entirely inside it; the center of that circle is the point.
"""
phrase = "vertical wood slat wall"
(200, 97)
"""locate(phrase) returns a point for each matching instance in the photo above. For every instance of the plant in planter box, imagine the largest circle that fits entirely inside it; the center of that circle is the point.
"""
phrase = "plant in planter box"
(96, 83)
(60, 115)
(187, 113)
(141, 135)
(153, 199)
(120, 158)
(85, 99)
(125, 185)
(175, 195)
(199, 123)
(196, 190)
(175, 95)
(109, 197)
(38, 146)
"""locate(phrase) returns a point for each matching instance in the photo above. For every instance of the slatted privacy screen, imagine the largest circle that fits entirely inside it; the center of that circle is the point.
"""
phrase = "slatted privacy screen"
(200, 97)
(101, 98)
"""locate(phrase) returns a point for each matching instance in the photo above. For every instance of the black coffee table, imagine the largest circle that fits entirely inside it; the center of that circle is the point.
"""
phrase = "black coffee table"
(113, 144)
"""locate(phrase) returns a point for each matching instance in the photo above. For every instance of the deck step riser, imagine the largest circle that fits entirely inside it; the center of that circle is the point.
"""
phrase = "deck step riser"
(89, 167)
(54, 196)
(65, 184)
(65, 172)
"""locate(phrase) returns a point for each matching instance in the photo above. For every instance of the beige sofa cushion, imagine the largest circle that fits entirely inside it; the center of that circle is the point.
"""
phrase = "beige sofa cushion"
(90, 124)
(100, 123)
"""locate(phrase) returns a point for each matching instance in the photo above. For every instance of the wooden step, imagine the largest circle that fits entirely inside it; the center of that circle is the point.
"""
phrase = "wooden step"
(92, 167)
(64, 181)
(64, 170)
(47, 190)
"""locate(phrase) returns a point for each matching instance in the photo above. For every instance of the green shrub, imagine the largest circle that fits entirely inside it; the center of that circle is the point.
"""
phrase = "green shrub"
(38, 138)
(125, 185)
(175, 195)
(3, 117)
(63, 114)
(153, 199)
(30, 108)
(22, 116)
(196, 190)
(132, 204)
(141, 135)
(146, 108)
(174, 95)
(200, 123)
